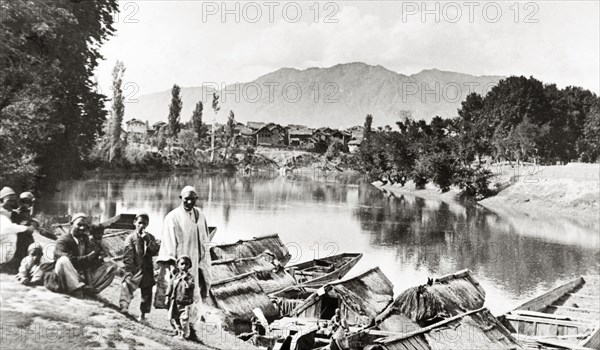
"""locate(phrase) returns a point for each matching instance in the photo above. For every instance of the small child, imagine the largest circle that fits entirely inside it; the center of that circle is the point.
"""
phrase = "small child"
(179, 296)
(30, 272)
(97, 232)
(140, 247)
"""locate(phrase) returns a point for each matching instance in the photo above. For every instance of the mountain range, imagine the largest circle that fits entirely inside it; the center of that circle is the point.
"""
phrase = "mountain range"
(337, 96)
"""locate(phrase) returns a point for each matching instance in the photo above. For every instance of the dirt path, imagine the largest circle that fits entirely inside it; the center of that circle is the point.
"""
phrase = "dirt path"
(35, 318)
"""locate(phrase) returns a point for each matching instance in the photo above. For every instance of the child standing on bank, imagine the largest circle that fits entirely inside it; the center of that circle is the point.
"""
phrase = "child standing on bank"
(140, 247)
(179, 297)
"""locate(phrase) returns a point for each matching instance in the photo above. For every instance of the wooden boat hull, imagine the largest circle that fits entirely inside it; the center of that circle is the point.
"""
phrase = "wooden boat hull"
(301, 271)
(568, 315)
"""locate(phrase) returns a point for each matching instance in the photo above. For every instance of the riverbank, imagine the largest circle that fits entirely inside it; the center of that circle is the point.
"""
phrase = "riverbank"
(571, 191)
(568, 191)
(35, 318)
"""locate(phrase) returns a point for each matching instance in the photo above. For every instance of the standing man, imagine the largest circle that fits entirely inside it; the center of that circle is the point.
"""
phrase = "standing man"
(77, 260)
(9, 231)
(185, 232)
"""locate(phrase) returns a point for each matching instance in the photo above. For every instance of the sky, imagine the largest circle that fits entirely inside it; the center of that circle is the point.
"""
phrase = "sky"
(196, 42)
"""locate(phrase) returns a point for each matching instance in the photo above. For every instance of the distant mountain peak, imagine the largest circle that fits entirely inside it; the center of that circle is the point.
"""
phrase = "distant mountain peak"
(342, 94)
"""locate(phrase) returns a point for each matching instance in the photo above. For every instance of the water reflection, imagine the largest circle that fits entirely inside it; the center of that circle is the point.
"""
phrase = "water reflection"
(409, 237)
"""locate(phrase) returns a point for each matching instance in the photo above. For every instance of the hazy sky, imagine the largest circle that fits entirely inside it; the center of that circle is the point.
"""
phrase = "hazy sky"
(190, 43)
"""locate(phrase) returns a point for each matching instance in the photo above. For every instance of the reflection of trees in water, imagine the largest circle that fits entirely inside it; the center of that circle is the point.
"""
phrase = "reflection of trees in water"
(444, 238)
(159, 194)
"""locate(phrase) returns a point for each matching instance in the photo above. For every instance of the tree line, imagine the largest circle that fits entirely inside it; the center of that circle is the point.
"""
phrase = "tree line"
(51, 112)
(520, 119)
(120, 151)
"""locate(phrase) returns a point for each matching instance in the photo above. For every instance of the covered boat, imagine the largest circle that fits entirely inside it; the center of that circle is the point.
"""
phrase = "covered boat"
(360, 299)
(251, 248)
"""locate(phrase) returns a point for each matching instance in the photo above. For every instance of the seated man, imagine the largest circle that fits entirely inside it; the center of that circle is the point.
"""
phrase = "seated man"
(22, 216)
(78, 263)
(10, 233)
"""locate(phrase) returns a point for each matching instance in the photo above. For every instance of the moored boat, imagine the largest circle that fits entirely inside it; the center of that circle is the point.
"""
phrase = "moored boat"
(566, 317)
(324, 270)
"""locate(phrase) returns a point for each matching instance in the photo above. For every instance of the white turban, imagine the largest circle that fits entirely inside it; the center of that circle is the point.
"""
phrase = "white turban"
(188, 189)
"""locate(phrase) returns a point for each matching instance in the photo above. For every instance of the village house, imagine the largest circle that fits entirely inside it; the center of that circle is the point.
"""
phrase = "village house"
(298, 137)
(255, 125)
(343, 136)
(137, 130)
(136, 126)
(270, 135)
(157, 127)
(356, 138)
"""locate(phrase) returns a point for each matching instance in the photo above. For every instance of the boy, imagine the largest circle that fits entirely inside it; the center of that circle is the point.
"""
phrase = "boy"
(140, 247)
(30, 272)
(179, 296)
(22, 215)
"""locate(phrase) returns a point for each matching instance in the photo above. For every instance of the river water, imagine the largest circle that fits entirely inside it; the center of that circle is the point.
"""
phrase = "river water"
(409, 238)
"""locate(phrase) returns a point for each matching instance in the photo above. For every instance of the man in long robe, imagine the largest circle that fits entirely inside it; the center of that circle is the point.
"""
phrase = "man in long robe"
(185, 232)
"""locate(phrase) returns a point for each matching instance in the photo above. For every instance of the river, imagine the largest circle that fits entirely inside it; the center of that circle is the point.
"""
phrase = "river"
(409, 238)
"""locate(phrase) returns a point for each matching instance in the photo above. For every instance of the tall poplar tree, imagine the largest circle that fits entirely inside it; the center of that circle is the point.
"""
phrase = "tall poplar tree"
(175, 110)
(117, 112)
(197, 120)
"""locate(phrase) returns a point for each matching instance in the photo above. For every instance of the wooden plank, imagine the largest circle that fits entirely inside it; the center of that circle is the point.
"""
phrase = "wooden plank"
(562, 344)
(580, 313)
(556, 323)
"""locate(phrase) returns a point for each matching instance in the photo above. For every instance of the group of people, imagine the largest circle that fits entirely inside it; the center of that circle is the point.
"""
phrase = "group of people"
(79, 265)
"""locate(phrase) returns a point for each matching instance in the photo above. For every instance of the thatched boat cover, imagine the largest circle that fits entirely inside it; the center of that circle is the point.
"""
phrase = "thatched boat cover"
(367, 294)
(476, 329)
(224, 269)
(252, 248)
(447, 296)
(237, 297)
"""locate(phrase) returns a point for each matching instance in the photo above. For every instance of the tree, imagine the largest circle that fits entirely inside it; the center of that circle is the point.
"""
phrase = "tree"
(367, 126)
(508, 104)
(51, 112)
(473, 132)
(590, 140)
(175, 110)
(199, 127)
(231, 124)
(117, 111)
(216, 108)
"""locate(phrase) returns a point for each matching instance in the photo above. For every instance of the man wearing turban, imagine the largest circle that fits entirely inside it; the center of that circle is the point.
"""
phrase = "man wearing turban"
(9, 231)
(185, 232)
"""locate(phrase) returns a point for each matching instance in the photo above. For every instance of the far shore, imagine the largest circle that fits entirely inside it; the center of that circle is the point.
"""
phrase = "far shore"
(569, 191)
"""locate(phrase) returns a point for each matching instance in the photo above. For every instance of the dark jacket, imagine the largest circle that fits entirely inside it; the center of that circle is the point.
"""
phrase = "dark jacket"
(181, 289)
(136, 261)
(66, 246)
